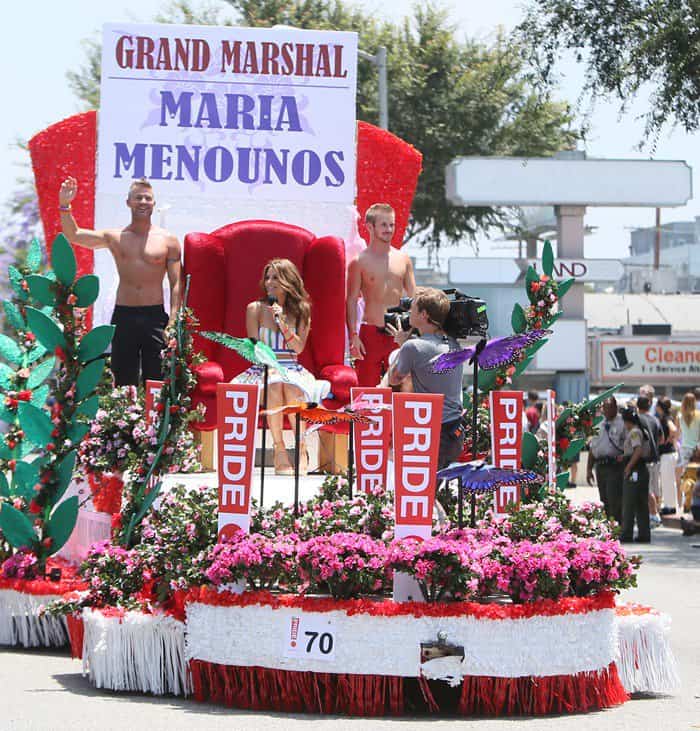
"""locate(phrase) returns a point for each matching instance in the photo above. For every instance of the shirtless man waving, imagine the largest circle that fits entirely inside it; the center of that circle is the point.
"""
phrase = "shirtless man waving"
(143, 254)
(381, 274)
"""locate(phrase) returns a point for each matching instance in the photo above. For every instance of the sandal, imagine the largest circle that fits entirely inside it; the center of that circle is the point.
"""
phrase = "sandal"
(282, 466)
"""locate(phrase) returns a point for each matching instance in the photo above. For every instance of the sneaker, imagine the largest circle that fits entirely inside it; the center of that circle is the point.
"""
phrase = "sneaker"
(654, 521)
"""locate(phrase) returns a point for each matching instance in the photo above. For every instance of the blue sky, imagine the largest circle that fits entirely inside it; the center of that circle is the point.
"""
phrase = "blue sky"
(41, 42)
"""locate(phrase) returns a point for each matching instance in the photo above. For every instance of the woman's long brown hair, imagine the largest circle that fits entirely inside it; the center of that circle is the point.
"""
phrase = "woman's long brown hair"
(296, 303)
(688, 408)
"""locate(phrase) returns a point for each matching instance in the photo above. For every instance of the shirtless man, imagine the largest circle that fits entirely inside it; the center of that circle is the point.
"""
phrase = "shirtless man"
(143, 254)
(381, 274)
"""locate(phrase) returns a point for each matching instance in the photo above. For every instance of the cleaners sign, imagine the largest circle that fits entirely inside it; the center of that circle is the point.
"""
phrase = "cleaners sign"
(227, 112)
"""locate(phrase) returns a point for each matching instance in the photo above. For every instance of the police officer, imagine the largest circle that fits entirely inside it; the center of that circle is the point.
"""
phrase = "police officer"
(605, 451)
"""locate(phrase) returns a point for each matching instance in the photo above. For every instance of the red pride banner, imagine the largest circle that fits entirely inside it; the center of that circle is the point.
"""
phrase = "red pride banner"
(416, 426)
(153, 389)
(506, 442)
(237, 414)
(372, 440)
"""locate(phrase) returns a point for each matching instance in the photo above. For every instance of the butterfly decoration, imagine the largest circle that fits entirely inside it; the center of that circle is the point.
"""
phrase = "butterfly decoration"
(359, 406)
(495, 353)
(478, 476)
(252, 350)
(312, 412)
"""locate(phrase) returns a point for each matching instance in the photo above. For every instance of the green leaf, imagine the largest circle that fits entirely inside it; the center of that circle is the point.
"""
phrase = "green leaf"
(42, 290)
(94, 343)
(530, 277)
(41, 373)
(532, 349)
(564, 287)
(598, 419)
(89, 407)
(523, 365)
(517, 319)
(63, 260)
(573, 449)
(16, 527)
(487, 380)
(14, 316)
(547, 259)
(35, 353)
(7, 415)
(4, 487)
(9, 350)
(16, 279)
(147, 502)
(76, 431)
(62, 522)
(25, 476)
(36, 423)
(554, 318)
(64, 474)
(40, 395)
(563, 417)
(530, 447)
(88, 378)
(48, 333)
(562, 480)
(7, 377)
(33, 259)
(86, 290)
(594, 402)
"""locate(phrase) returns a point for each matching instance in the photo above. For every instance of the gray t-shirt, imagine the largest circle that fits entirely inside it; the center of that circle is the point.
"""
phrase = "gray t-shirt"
(416, 357)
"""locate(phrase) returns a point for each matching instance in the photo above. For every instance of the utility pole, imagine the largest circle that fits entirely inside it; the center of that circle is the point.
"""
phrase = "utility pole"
(657, 240)
(379, 60)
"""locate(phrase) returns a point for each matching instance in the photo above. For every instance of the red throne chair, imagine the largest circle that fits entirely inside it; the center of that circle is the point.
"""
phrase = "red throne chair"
(226, 267)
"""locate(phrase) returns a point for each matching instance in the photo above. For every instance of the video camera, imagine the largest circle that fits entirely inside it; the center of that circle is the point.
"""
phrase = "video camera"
(466, 318)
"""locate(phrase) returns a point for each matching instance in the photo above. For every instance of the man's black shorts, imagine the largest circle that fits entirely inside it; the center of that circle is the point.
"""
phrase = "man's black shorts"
(137, 343)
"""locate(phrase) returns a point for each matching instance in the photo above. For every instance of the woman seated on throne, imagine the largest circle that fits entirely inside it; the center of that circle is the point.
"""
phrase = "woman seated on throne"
(281, 318)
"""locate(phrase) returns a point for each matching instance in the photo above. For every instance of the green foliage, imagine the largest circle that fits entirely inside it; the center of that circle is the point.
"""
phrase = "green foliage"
(565, 286)
(89, 378)
(16, 527)
(86, 290)
(9, 350)
(64, 474)
(48, 333)
(35, 422)
(449, 96)
(42, 289)
(626, 46)
(573, 449)
(63, 261)
(95, 343)
(547, 259)
(33, 260)
(62, 522)
(562, 480)
(13, 315)
(530, 447)
(88, 408)
(517, 319)
(25, 476)
(41, 372)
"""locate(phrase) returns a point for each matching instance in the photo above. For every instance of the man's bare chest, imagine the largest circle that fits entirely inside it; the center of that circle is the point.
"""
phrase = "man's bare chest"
(152, 252)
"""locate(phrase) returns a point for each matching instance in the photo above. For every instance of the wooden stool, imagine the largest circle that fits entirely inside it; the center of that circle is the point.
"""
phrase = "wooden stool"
(206, 439)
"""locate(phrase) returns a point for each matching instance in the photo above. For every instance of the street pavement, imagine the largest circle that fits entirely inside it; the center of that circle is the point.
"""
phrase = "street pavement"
(44, 690)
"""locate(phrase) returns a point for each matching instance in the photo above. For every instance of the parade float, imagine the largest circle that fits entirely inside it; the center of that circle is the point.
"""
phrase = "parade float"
(363, 599)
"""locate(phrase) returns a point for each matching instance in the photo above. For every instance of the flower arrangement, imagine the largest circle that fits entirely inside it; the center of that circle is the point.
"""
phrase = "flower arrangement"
(114, 576)
(444, 567)
(111, 442)
(170, 430)
(176, 537)
(260, 561)
(20, 565)
(348, 564)
(34, 517)
(331, 511)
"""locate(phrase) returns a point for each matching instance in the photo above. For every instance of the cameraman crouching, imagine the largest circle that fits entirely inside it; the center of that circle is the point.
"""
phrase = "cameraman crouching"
(429, 311)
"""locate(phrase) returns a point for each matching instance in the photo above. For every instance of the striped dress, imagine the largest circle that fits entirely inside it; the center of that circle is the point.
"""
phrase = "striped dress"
(311, 388)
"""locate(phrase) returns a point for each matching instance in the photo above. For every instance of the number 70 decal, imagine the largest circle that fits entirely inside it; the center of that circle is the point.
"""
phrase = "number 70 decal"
(309, 637)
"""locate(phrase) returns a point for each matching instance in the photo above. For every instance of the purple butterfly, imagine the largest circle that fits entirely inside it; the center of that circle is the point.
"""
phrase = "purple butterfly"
(495, 353)
(481, 477)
